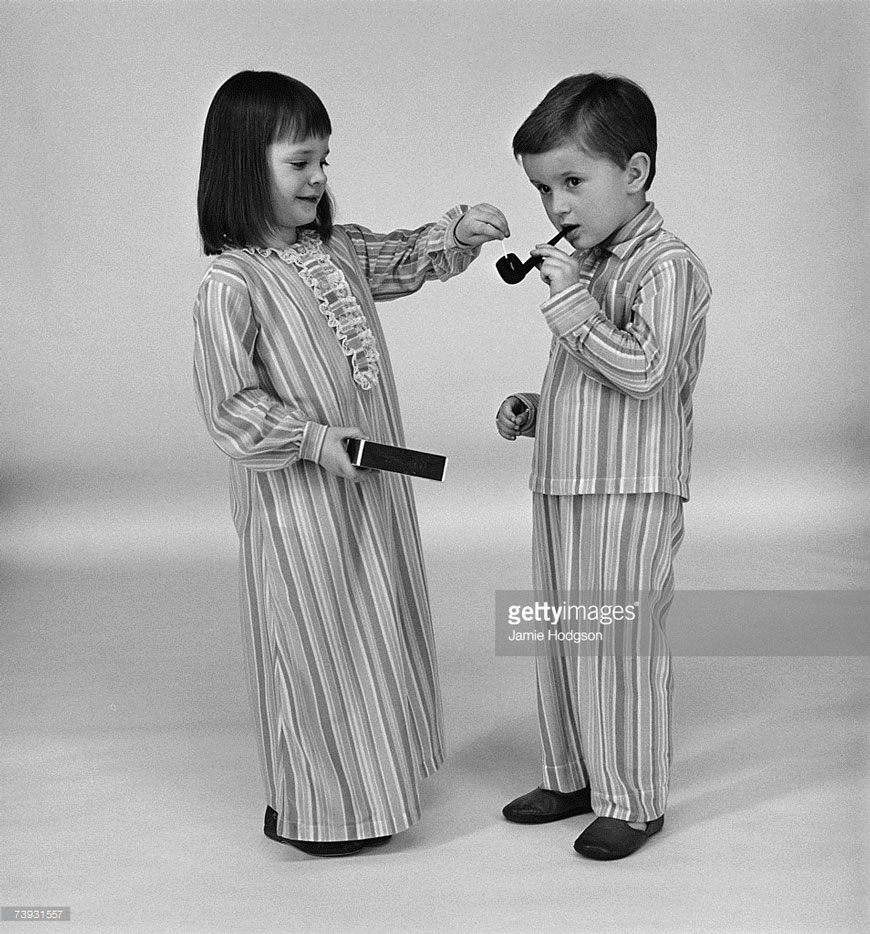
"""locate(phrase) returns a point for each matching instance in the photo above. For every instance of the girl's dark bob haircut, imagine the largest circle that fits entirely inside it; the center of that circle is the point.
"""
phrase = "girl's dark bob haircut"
(607, 115)
(250, 111)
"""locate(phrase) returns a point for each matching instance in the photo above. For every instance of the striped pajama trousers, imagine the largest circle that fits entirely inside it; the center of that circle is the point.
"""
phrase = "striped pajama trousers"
(604, 716)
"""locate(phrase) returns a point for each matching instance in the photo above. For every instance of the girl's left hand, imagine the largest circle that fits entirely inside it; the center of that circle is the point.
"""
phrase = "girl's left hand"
(560, 270)
(480, 224)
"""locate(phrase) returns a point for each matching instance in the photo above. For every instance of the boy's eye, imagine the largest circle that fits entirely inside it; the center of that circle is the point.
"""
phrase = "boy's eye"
(573, 181)
(544, 189)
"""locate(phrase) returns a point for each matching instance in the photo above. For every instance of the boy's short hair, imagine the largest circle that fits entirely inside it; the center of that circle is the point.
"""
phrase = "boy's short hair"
(251, 110)
(608, 115)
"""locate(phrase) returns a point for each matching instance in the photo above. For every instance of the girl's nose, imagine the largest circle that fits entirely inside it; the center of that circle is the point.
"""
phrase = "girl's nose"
(318, 177)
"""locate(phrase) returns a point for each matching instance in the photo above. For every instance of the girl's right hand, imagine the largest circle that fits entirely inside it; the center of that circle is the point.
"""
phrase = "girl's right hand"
(482, 223)
(333, 456)
(512, 417)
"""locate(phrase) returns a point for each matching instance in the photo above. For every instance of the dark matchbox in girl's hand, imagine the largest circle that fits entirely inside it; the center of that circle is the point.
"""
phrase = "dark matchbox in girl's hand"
(375, 456)
(513, 270)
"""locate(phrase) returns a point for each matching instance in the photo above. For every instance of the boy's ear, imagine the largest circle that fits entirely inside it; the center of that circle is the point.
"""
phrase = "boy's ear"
(637, 172)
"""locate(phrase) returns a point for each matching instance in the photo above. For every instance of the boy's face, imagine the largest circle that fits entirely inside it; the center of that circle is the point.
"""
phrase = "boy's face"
(586, 190)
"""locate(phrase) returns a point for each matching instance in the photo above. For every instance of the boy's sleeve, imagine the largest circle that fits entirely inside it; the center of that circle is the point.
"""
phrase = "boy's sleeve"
(245, 422)
(637, 359)
(398, 263)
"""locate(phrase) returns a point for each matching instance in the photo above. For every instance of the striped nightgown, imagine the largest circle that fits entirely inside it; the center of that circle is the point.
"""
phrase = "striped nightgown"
(336, 625)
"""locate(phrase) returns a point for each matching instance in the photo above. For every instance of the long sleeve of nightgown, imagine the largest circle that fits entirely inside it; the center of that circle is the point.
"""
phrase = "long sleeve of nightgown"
(245, 421)
(398, 263)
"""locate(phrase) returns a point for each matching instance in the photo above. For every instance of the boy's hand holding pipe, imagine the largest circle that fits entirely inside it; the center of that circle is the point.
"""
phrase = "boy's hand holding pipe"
(513, 270)
(559, 270)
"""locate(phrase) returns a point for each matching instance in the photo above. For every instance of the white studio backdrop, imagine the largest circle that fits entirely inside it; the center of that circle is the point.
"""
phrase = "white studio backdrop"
(763, 126)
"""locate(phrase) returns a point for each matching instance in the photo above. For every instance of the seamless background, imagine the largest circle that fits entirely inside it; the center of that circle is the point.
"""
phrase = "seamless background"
(123, 699)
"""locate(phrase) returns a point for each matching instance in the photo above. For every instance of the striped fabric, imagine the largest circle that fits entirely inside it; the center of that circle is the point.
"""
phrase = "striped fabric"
(605, 717)
(615, 411)
(337, 631)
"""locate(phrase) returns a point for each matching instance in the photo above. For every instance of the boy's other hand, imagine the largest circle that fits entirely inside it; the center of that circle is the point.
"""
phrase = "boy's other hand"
(481, 223)
(334, 458)
(512, 417)
(559, 270)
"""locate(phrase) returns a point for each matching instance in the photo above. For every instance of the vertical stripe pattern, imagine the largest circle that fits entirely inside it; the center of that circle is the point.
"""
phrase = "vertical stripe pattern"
(336, 626)
(615, 412)
(605, 716)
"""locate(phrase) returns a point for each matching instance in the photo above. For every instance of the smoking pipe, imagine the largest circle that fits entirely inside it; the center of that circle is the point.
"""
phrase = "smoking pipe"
(513, 270)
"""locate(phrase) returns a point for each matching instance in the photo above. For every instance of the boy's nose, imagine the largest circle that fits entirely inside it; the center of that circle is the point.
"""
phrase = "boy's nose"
(560, 206)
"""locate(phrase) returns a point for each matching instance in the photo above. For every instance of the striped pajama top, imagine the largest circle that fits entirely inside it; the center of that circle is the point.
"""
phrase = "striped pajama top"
(614, 414)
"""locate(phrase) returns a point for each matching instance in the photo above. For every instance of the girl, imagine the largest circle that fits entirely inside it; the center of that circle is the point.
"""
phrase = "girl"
(290, 361)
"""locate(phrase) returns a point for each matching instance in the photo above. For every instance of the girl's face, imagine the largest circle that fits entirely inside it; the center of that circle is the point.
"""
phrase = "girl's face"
(298, 181)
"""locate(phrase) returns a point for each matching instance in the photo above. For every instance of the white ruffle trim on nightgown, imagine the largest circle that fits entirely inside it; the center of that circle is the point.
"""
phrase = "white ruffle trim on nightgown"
(337, 303)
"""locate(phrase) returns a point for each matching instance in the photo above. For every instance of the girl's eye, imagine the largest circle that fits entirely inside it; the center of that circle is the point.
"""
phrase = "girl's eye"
(573, 181)
(544, 189)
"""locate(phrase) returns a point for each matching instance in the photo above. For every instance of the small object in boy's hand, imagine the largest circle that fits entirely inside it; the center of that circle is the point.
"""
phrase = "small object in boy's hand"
(513, 270)
(376, 456)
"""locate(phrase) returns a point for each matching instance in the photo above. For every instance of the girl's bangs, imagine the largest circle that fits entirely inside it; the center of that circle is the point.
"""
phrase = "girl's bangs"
(299, 120)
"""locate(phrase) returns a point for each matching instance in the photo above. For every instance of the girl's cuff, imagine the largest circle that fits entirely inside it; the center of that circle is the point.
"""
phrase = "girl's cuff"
(451, 241)
(311, 446)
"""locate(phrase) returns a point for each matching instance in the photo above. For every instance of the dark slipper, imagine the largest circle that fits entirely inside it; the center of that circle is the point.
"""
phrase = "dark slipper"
(542, 806)
(609, 838)
(311, 847)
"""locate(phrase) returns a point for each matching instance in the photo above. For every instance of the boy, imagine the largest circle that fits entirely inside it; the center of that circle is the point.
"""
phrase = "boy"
(613, 437)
